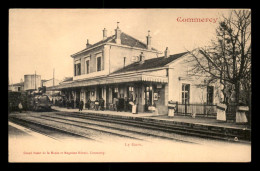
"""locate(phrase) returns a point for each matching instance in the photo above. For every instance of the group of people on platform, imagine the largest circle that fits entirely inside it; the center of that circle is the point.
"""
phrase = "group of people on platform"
(119, 104)
(63, 102)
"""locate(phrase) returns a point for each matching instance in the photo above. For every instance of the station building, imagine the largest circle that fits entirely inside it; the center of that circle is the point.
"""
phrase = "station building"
(121, 66)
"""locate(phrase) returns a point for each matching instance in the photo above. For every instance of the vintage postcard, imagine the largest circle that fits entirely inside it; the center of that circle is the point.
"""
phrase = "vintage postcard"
(129, 85)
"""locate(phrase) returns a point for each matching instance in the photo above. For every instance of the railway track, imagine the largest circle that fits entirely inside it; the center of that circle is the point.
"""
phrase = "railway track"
(128, 131)
(87, 125)
(61, 126)
(132, 128)
(46, 130)
(160, 126)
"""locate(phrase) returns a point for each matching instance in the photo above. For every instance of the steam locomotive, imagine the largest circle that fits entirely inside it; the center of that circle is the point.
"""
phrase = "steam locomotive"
(35, 101)
(41, 102)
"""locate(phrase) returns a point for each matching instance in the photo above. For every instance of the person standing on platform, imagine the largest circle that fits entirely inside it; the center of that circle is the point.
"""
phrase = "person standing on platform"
(81, 103)
(102, 104)
(126, 104)
(116, 102)
(88, 104)
(20, 106)
(96, 104)
(72, 104)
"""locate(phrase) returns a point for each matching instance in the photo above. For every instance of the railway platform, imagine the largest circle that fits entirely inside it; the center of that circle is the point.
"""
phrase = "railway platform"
(185, 125)
(107, 112)
(204, 127)
(162, 118)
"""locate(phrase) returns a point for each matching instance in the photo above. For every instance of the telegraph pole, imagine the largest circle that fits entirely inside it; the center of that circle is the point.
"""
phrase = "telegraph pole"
(53, 79)
(35, 79)
(53, 76)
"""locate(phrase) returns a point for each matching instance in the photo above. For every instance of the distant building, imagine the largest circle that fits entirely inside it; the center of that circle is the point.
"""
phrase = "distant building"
(18, 87)
(32, 82)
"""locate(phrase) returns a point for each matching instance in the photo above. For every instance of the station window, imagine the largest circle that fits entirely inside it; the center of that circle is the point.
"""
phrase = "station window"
(87, 66)
(75, 69)
(99, 63)
(185, 93)
(210, 94)
(78, 69)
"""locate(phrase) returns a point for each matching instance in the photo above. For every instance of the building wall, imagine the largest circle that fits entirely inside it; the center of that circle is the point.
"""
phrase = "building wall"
(118, 53)
(112, 60)
(179, 73)
(15, 88)
(92, 54)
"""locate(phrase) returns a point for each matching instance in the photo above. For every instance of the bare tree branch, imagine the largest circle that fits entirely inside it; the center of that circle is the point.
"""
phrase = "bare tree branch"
(228, 59)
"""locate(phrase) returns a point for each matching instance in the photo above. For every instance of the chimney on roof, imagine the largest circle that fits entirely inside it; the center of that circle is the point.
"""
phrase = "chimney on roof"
(166, 52)
(141, 58)
(87, 45)
(118, 34)
(104, 34)
(148, 40)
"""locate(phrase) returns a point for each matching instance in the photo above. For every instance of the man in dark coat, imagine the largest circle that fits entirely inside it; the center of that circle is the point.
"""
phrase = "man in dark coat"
(102, 102)
(81, 103)
(72, 104)
(67, 103)
(126, 104)
(88, 104)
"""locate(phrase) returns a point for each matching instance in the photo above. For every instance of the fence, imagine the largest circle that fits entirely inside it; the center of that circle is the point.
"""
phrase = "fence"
(204, 110)
(231, 112)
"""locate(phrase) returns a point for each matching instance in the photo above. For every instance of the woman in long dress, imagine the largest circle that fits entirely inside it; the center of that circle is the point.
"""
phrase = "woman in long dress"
(20, 106)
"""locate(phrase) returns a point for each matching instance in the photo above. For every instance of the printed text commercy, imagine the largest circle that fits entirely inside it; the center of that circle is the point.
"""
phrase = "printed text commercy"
(212, 20)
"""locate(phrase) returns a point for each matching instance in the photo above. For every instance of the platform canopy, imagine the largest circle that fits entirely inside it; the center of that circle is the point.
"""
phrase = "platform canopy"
(114, 79)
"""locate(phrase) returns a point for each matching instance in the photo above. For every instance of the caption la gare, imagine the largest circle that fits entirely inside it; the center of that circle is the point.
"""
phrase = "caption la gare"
(133, 144)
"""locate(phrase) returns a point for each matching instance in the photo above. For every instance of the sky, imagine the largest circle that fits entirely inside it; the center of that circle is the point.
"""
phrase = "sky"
(42, 40)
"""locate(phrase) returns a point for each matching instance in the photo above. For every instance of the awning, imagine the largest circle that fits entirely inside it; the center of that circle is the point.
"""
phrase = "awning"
(111, 79)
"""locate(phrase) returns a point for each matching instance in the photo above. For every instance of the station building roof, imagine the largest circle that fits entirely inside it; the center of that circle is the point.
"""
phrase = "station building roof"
(150, 63)
(125, 40)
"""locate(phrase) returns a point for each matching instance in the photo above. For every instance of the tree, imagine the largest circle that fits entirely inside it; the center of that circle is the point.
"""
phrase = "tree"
(228, 58)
